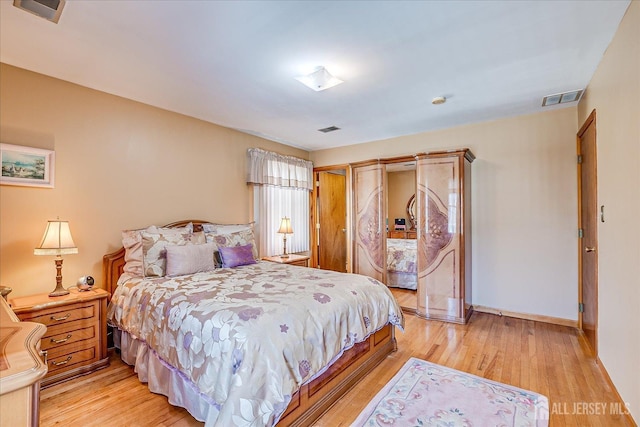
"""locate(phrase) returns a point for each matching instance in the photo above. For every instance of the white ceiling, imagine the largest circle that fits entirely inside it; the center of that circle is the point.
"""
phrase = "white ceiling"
(233, 62)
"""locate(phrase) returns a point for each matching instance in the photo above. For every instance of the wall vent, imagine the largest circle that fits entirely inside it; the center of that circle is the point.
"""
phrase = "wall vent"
(329, 129)
(561, 98)
(47, 9)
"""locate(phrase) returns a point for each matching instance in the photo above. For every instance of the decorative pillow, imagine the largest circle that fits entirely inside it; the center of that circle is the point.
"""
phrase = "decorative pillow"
(226, 228)
(154, 254)
(239, 238)
(209, 238)
(132, 243)
(237, 255)
(189, 259)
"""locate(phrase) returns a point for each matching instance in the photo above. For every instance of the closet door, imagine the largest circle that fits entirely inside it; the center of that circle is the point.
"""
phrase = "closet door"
(444, 258)
(369, 243)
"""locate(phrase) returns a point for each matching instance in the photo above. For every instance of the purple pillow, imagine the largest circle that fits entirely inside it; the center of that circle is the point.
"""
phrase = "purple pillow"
(234, 256)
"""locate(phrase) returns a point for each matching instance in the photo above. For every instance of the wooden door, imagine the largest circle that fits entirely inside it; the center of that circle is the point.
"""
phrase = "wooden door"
(588, 224)
(332, 220)
(369, 234)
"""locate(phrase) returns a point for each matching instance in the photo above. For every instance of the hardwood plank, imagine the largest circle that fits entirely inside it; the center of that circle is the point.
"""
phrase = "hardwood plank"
(549, 359)
(407, 298)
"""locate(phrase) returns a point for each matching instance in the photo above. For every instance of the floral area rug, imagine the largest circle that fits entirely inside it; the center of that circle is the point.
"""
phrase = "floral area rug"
(426, 394)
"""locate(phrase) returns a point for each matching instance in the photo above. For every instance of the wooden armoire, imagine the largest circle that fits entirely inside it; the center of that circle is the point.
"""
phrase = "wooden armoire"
(443, 200)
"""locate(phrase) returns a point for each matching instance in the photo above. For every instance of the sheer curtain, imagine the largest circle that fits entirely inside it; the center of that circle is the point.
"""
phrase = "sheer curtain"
(281, 186)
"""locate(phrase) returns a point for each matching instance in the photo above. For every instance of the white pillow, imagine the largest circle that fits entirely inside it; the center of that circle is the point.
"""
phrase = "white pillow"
(226, 228)
(189, 259)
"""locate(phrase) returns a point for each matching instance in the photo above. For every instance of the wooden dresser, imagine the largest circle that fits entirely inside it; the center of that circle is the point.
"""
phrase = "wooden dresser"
(400, 234)
(293, 259)
(21, 369)
(75, 340)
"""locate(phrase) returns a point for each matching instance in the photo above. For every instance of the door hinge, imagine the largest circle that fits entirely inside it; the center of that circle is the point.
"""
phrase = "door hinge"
(579, 158)
(581, 307)
(580, 233)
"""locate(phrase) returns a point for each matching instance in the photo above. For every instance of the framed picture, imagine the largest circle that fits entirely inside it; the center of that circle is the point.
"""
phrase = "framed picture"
(32, 167)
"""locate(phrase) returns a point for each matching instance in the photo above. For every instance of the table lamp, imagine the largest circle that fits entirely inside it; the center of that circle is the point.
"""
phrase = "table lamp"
(57, 241)
(285, 228)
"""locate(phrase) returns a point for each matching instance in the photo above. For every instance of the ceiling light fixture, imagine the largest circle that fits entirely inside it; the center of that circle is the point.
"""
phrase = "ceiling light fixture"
(561, 98)
(438, 100)
(319, 80)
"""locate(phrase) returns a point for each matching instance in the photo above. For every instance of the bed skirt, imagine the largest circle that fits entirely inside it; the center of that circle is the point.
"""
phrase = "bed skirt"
(163, 378)
(399, 279)
(314, 397)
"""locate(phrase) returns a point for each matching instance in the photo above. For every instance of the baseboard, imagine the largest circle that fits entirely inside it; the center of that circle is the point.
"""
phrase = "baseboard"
(606, 376)
(527, 316)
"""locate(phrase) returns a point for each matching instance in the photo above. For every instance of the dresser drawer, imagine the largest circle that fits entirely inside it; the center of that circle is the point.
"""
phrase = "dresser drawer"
(80, 356)
(59, 315)
(76, 332)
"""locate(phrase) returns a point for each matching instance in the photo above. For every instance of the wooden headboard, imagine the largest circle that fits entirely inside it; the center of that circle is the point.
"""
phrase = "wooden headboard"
(113, 263)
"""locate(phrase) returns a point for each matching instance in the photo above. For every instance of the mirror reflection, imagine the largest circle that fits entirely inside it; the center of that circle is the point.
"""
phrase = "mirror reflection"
(411, 211)
(401, 236)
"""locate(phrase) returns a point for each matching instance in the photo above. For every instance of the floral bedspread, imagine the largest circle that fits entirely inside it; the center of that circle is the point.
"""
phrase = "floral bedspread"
(250, 336)
(402, 255)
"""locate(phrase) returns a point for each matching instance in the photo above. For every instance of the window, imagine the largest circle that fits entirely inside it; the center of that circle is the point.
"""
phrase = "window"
(281, 186)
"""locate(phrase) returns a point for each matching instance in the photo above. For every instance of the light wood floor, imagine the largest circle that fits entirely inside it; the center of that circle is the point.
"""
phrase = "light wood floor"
(541, 357)
(407, 298)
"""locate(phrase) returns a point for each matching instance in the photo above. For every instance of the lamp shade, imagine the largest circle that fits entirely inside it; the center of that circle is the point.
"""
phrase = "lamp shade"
(285, 226)
(57, 240)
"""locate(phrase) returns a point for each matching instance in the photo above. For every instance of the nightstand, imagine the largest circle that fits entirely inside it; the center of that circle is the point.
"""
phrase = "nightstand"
(75, 341)
(293, 259)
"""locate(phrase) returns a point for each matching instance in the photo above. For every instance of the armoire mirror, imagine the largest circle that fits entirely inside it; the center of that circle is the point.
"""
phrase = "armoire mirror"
(401, 241)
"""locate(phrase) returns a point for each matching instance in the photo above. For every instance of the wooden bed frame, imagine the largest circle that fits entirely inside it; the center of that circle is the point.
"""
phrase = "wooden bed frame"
(316, 397)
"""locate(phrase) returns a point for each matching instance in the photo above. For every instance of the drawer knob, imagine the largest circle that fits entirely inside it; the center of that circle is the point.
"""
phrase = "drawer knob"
(60, 319)
(44, 354)
(64, 362)
(60, 341)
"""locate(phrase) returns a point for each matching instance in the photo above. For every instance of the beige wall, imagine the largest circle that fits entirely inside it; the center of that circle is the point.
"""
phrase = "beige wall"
(614, 92)
(119, 164)
(524, 206)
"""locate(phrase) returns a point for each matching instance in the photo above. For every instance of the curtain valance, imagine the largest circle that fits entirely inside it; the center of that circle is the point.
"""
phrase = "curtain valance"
(267, 167)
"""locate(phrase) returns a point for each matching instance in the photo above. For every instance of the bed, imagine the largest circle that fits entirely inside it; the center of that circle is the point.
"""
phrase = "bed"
(254, 344)
(401, 263)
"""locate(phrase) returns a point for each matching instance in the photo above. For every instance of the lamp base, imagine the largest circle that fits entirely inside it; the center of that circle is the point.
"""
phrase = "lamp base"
(284, 256)
(59, 291)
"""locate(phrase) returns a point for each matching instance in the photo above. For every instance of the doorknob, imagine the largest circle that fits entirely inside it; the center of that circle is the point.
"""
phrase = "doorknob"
(588, 249)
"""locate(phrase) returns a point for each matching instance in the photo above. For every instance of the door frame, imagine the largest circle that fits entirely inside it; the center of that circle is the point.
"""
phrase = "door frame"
(591, 120)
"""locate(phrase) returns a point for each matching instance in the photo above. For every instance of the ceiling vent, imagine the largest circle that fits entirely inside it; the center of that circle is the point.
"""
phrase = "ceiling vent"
(562, 98)
(47, 9)
(329, 129)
